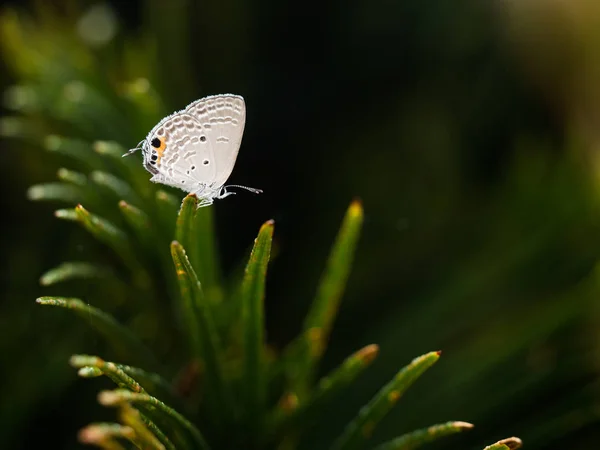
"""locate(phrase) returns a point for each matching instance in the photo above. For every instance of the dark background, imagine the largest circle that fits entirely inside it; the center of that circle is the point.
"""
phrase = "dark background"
(467, 129)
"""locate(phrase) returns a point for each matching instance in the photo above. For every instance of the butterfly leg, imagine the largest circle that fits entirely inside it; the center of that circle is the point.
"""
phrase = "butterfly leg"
(204, 202)
(198, 192)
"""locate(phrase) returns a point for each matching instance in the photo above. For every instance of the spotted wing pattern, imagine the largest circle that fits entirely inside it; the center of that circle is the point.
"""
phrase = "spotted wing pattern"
(184, 156)
(222, 118)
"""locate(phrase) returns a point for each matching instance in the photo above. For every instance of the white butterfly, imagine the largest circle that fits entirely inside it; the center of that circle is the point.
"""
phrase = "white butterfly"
(195, 149)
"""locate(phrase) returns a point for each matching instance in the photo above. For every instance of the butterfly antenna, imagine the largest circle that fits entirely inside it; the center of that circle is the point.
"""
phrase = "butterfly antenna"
(133, 150)
(255, 191)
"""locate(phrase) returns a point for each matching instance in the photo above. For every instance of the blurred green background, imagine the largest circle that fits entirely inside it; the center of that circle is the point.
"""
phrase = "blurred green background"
(470, 130)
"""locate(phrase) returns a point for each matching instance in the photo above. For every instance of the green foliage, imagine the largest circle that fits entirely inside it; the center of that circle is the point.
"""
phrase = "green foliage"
(505, 444)
(362, 426)
(418, 438)
(234, 399)
(182, 314)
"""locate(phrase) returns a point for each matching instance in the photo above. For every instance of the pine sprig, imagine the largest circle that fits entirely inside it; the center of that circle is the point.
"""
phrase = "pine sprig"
(233, 391)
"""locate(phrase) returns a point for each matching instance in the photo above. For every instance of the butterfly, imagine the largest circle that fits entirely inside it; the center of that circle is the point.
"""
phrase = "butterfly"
(195, 149)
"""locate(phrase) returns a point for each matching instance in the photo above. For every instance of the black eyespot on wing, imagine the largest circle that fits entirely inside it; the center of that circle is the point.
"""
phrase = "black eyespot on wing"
(206, 162)
(155, 142)
(203, 138)
(193, 168)
(154, 157)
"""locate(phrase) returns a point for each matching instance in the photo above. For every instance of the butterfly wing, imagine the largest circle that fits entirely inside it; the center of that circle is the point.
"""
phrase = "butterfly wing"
(222, 118)
(180, 154)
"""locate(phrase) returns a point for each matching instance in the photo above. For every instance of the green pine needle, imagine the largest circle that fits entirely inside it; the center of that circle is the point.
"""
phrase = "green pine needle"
(114, 237)
(119, 188)
(329, 386)
(167, 206)
(418, 438)
(138, 220)
(185, 232)
(361, 428)
(64, 192)
(511, 443)
(120, 396)
(75, 149)
(319, 321)
(73, 270)
(109, 148)
(111, 370)
(188, 285)
(70, 176)
(148, 434)
(123, 341)
(252, 299)
(66, 214)
(202, 330)
(105, 435)
(207, 261)
(152, 382)
(195, 231)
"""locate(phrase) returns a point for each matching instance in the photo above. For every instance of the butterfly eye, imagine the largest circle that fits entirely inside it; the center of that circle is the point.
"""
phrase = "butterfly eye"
(155, 142)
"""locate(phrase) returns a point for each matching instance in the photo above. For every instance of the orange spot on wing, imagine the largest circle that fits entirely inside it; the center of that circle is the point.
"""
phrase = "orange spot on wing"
(160, 150)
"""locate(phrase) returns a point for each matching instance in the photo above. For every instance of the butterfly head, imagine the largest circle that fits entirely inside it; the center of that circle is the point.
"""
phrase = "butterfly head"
(152, 150)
